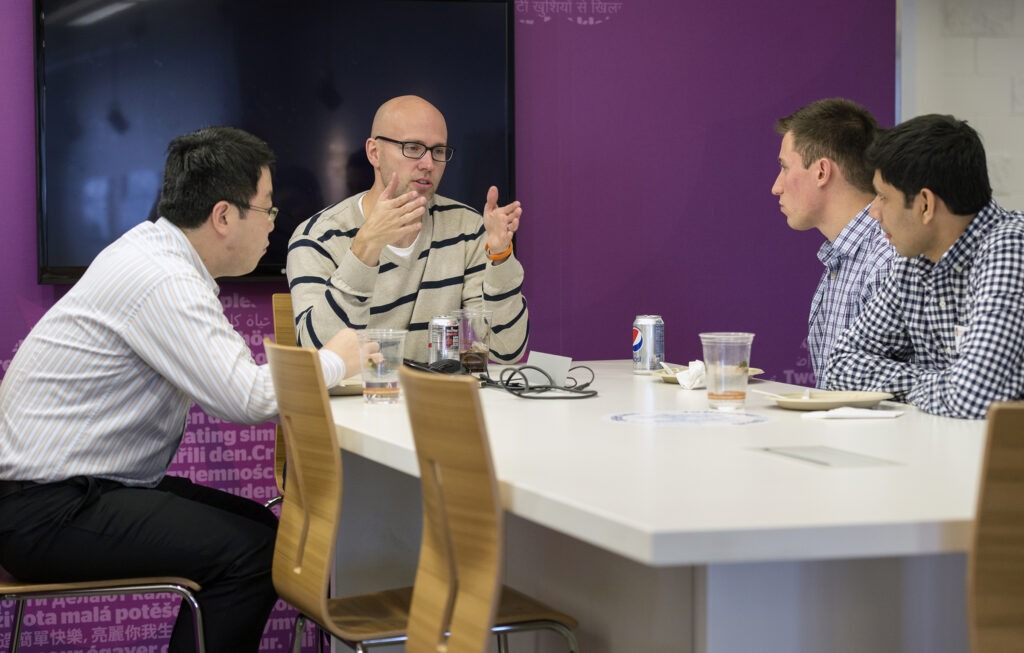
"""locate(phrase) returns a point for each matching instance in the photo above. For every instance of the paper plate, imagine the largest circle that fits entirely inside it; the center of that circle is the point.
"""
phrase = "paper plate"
(829, 399)
(670, 377)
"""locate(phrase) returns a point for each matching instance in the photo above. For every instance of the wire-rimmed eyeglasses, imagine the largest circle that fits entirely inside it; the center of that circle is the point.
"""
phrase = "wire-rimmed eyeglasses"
(271, 212)
(414, 150)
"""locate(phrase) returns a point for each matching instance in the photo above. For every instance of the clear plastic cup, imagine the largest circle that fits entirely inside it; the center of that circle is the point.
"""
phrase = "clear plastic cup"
(727, 367)
(380, 369)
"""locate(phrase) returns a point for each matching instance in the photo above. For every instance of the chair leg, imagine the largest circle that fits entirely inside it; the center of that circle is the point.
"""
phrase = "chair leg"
(300, 625)
(19, 613)
(567, 634)
(501, 633)
(197, 619)
(570, 637)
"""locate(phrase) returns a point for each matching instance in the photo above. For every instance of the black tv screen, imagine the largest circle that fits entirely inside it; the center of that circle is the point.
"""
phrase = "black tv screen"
(118, 79)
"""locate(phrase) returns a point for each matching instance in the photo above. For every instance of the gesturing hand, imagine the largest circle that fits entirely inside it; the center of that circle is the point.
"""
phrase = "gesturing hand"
(391, 220)
(501, 222)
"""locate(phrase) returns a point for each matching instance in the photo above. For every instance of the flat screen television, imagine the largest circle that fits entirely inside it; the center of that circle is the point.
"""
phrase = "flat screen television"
(118, 79)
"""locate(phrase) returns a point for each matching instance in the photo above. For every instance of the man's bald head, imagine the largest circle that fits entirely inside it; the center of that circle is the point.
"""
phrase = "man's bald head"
(406, 113)
(402, 120)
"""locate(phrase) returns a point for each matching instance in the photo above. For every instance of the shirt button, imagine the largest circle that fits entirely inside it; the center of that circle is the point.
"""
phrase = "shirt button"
(942, 303)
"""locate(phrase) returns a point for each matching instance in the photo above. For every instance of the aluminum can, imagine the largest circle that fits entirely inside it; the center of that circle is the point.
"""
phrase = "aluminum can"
(648, 343)
(443, 338)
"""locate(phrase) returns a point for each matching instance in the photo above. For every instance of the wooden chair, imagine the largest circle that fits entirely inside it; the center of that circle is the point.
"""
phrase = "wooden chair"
(284, 334)
(21, 592)
(284, 319)
(459, 598)
(995, 565)
(310, 516)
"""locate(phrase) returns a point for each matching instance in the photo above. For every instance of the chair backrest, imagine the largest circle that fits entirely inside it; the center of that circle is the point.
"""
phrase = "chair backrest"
(284, 334)
(308, 529)
(995, 576)
(284, 319)
(458, 580)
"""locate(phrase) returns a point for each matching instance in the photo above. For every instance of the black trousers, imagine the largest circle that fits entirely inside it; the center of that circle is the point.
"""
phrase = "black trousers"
(86, 528)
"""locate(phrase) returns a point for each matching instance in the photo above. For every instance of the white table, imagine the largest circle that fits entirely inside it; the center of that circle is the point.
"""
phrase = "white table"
(660, 536)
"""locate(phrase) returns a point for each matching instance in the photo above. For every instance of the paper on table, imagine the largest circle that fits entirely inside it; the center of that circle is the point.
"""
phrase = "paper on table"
(692, 377)
(849, 412)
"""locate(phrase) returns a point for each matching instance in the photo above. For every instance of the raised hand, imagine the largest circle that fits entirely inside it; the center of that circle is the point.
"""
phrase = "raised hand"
(501, 222)
(392, 220)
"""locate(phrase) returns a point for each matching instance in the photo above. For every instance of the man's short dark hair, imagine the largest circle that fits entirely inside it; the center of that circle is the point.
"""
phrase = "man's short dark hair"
(207, 166)
(937, 152)
(836, 129)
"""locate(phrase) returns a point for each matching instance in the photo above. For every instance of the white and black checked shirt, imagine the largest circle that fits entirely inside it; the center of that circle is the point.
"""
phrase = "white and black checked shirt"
(856, 264)
(946, 337)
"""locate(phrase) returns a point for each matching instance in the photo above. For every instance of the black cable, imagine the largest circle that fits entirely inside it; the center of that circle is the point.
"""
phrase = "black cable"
(512, 379)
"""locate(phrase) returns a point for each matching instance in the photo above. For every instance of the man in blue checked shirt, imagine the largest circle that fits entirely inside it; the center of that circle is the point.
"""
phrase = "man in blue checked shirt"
(824, 183)
(945, 332)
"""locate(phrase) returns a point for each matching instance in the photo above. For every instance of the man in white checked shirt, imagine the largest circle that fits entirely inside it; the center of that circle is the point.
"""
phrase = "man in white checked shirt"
(945, 332)
(93, 406)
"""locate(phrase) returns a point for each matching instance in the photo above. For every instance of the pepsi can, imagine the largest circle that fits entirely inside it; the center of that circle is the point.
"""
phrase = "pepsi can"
(443, 338)
(648, 343)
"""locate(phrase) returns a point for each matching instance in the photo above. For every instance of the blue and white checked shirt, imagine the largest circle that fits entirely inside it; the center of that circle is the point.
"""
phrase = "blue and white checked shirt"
(856, 264)
(947, 337)
(103, 383)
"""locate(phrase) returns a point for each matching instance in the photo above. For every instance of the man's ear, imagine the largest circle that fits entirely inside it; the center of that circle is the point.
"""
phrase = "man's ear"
(927, 203)
(823, 170)
(219, 218)
(372, 153)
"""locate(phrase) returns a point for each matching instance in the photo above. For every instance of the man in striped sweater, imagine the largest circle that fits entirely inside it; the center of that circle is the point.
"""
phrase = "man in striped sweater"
(399, 254)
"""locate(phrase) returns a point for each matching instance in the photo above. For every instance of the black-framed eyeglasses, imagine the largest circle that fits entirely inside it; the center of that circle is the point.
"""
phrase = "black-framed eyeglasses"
(414, 150)
(271, 212)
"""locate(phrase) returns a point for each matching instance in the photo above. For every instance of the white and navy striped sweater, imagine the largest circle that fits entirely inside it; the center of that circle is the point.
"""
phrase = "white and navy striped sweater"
(448, 269)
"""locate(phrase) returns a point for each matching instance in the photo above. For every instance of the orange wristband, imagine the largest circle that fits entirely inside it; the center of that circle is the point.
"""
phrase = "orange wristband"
(501, 256)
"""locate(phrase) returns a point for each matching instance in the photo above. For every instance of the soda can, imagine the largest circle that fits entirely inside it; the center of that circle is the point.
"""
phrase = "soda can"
(648, 343)
(443, 338)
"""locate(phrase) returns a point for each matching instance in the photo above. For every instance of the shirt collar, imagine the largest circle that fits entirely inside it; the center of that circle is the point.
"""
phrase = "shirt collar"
(850, 239)
(174, 232)
(962, 252)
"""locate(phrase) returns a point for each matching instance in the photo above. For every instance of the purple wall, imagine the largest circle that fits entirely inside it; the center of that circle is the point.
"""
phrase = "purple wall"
(645, 157)
(646, 154)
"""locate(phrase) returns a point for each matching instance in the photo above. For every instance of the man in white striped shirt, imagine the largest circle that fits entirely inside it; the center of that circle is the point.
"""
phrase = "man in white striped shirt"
(93, 406)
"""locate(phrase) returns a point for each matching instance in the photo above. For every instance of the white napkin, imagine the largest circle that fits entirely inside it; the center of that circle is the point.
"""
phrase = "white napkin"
(693, 376)
(849, 412)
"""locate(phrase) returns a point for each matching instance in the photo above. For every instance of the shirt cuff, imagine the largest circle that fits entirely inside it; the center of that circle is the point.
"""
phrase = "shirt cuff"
(333, 367)
(352, 275)
(507, 275)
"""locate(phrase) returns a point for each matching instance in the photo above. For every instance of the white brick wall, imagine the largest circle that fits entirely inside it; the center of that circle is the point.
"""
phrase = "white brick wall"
(966, 57)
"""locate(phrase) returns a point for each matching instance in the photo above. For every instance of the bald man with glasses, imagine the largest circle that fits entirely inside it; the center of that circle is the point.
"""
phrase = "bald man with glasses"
(399, 254)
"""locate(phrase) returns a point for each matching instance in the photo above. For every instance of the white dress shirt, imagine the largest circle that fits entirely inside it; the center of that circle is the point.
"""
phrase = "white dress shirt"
(103, 383)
